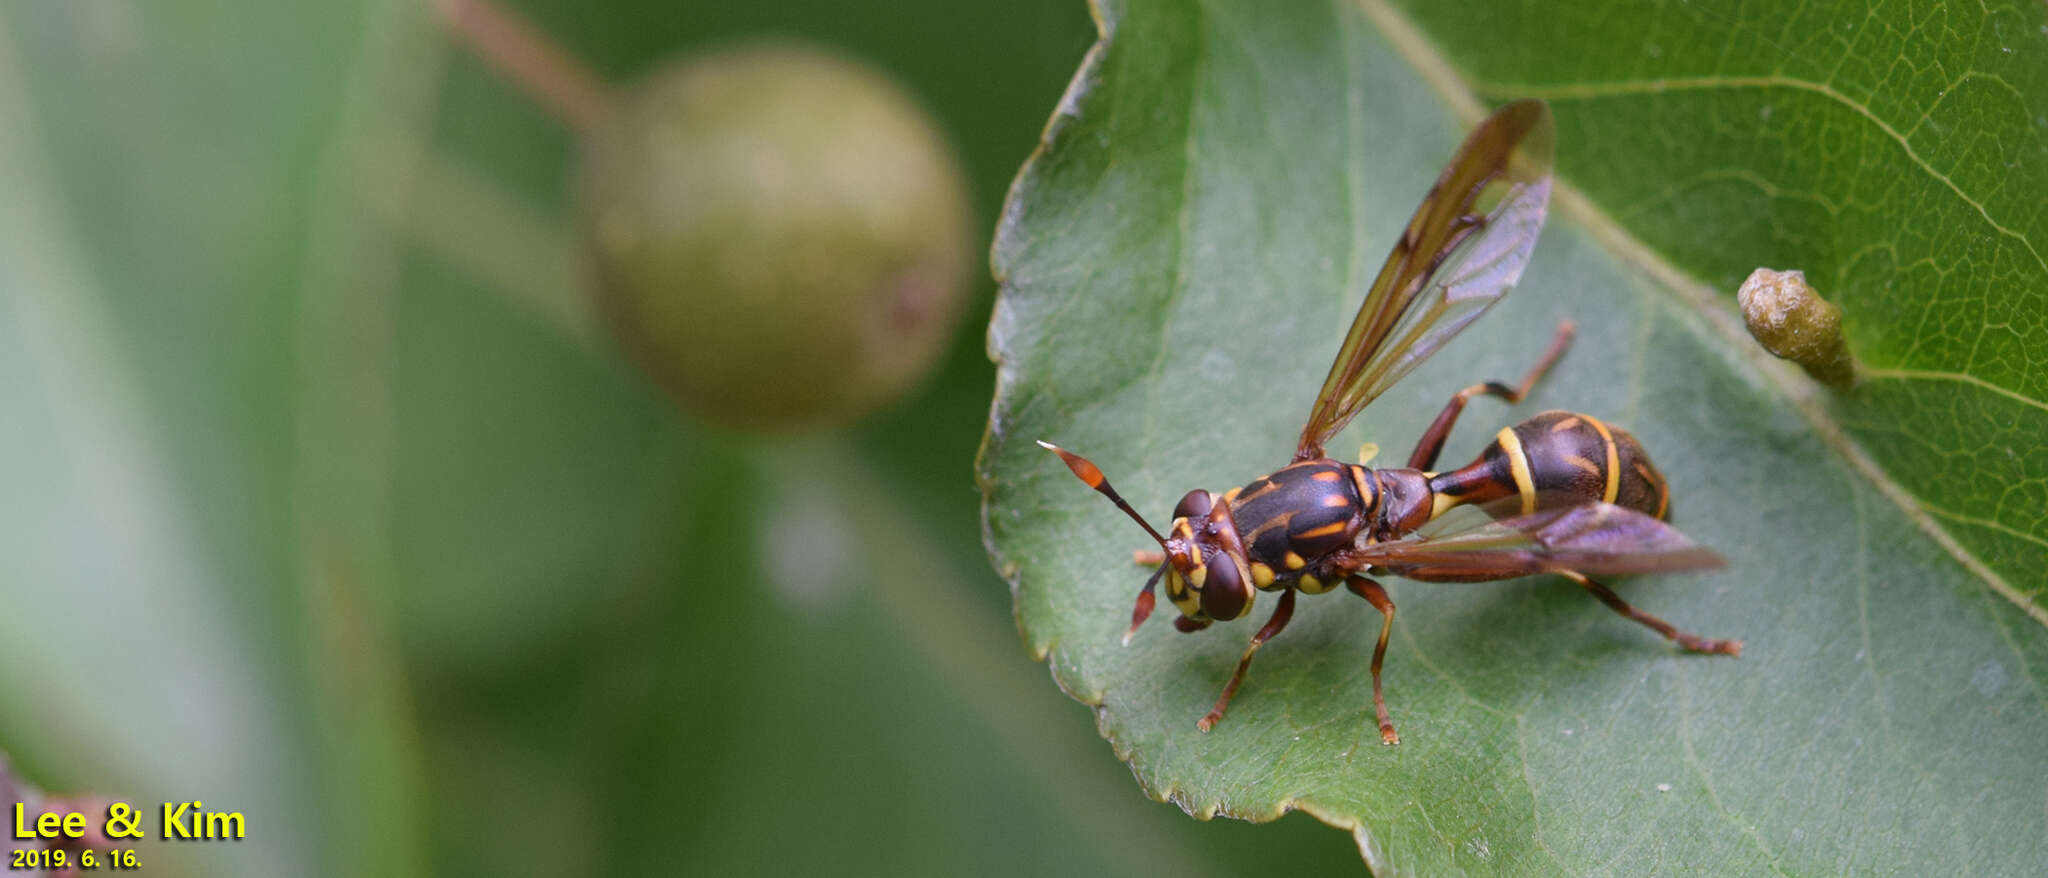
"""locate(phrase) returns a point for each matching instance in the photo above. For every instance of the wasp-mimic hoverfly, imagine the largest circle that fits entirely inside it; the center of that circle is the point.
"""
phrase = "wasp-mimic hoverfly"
(1559, 493)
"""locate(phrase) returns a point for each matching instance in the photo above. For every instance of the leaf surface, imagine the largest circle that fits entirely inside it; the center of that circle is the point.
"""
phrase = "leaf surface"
(1180, 259)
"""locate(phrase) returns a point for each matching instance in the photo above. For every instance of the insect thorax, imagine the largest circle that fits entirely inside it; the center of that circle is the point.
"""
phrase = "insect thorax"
(1293, 517)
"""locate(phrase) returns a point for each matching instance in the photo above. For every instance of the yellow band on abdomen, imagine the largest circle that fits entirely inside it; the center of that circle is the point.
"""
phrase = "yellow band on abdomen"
(1518, 464)
(1613, 459)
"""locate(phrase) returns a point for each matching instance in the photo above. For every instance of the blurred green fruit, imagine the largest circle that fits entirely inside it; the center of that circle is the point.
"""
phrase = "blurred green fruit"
(779, 235)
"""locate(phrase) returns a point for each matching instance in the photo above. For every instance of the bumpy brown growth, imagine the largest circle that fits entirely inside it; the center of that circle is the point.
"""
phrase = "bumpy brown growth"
(1792, 321)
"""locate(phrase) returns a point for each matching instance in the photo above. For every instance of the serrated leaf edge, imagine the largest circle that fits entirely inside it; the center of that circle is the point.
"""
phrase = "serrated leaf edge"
(1085, 78)
(1804, 394)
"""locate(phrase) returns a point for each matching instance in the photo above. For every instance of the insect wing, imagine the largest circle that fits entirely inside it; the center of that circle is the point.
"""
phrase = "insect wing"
(1463, 249)
(1599, 539)
(1477, 274)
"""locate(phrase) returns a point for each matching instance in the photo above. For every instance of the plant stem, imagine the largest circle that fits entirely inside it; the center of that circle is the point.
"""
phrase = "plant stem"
(518, 51)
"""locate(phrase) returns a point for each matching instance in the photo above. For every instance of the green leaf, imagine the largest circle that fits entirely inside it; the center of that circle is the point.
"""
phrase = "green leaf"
(1183, 253)
(1900, 161)
(321, 502)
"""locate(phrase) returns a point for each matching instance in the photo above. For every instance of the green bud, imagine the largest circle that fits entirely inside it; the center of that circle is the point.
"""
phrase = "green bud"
(778, 235)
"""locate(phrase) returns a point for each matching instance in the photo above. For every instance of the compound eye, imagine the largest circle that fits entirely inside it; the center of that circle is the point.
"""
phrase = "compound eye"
(1225, 596)
(1195, 505)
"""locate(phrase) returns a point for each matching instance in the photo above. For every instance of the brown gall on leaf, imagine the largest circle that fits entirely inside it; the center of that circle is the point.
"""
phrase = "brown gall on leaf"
(1794, 323)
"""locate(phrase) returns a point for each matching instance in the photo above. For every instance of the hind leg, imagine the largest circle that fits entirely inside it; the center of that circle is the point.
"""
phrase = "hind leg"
(1692, 642)
(1273, 626)
(1433, 438)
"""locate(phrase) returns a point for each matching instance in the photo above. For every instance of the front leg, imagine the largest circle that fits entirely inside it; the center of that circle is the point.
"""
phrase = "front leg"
(1377, 597)
(1273, 626)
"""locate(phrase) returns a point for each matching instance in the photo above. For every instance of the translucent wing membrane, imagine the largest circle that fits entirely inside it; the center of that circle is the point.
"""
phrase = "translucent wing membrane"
(1597, 539)
(1463, 249)
(1477, 273)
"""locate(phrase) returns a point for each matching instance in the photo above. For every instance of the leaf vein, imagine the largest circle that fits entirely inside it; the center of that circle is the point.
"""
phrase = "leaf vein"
(1591, 91)
(1896, 374)
(1803, 394)
(1692, 758)
(1986, 523)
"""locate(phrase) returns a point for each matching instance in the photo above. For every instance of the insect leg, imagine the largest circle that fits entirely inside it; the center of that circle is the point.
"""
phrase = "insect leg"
(1614, 602)
(1377, 596)
(1273, 625)
(1433, 438)
(1144, 607)
(1147, 558)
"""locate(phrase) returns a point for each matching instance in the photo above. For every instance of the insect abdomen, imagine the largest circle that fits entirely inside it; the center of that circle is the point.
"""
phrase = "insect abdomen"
(1294, 516)
(1559, 458)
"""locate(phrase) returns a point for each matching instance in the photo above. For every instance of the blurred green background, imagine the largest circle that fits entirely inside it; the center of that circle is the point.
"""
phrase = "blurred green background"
(318, 503)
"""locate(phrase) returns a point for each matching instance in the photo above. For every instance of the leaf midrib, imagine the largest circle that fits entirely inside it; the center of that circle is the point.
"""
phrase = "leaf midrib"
(1804, 395)
(1587, 91)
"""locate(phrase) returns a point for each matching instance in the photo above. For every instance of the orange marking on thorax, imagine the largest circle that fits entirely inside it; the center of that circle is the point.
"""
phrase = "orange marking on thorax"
(1280, 520)
(1366, 490)
(1259, 488)
(1331, 529)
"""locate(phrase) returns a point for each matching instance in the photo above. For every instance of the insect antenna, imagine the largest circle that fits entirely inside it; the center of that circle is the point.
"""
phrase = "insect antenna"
(1091, 475)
